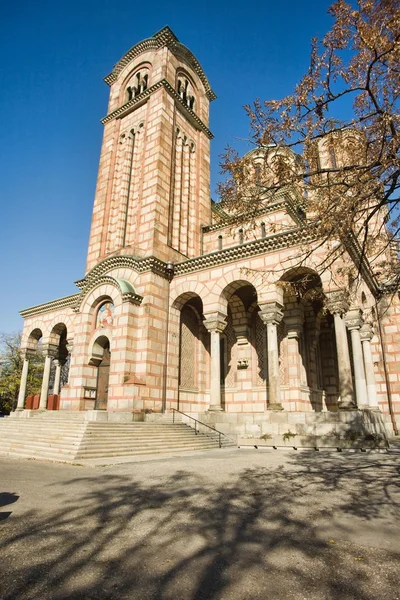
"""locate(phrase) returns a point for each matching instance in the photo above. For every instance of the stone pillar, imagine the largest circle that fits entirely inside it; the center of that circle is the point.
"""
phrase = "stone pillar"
(215, 323)
(24, 379)
(366, 335)
(271, 315)
(337, 307)
(354, 322)
(58, 363)
(49, 353)
(294, 327)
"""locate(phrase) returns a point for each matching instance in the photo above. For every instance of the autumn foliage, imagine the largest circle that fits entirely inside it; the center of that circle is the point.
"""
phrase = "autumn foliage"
(334, 142)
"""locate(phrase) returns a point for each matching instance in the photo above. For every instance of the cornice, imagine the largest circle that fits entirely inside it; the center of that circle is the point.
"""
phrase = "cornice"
(239, 219)
(125, 289)
(164, 37)
(271, 243)
(355, 251)
(66, 302)
(284, 200)
(390, 288)
(140, 265)
(129, 106)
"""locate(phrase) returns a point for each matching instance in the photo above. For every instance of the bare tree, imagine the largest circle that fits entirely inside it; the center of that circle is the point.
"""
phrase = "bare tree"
(341, 173)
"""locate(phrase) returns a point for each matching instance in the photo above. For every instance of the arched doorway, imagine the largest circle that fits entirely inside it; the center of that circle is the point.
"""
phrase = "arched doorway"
(101, 359)
(193, 358)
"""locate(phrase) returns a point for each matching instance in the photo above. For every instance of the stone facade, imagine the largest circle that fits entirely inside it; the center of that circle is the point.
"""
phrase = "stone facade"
(177, 309)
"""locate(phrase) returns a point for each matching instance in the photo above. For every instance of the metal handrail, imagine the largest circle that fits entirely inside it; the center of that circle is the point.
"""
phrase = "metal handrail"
(174, 410)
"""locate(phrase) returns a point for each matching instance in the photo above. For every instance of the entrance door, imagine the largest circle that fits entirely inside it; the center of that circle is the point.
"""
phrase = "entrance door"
(103, 374)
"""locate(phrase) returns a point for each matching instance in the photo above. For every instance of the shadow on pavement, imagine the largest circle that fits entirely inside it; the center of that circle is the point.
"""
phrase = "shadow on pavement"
(5, 499)
(256, 534)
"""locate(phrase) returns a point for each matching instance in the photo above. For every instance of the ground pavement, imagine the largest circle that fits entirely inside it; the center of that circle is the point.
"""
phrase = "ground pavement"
(224, 525)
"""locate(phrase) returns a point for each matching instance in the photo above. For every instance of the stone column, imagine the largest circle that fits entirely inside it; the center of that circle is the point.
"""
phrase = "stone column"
(215, 323)
(294, 327)
(58, 363)
(366, 335)
(49, 353)
(337, 307)
(24, 379)
(354, 322)
(271, 315)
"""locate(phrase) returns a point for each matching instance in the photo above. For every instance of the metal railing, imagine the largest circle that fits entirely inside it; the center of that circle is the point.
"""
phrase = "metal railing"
(196, 431)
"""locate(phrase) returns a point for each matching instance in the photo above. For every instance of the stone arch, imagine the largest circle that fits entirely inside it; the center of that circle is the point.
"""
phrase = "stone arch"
(188, 346)
(132, 85)
(65, 320)
(105, 287)
(58, 331)
(228, 286)
(184, 291)
(303, 280)
(186, 88)
(100, 359)
(33, 339)
(98, 344)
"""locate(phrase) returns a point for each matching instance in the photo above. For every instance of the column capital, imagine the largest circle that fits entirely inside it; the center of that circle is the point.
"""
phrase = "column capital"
(336, 303)
(353, 319)
(50, 350)
(366, 332)
(215, 321)
(70, 346)
(271, 313)
(58, 361)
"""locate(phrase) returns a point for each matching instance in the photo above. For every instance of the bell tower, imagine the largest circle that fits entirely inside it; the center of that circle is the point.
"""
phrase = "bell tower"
(152, 193)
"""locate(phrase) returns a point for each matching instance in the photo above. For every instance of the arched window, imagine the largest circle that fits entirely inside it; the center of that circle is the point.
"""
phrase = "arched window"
(185, 91)
(257, 172)
(332, 157)
(137, 84)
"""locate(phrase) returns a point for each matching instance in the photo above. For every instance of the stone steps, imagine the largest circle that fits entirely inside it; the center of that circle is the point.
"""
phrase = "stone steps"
(72, 439)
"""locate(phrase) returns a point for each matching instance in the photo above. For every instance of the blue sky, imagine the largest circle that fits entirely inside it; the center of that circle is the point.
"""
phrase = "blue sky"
(54, 58)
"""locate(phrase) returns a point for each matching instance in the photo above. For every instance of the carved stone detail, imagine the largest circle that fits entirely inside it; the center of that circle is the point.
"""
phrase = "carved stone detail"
(215, 322)
(337, 303)
(353, 319)
(271, 313)
(366, 332)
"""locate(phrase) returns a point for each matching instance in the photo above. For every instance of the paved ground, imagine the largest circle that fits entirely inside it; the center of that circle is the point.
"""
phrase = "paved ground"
(224, 525)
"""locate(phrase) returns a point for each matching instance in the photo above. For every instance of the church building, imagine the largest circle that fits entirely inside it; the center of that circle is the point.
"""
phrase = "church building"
(178, 309)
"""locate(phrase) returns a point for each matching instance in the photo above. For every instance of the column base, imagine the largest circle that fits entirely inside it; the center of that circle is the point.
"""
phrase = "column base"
(275, 406)
(215, 408)
(19, 409)
(347, 406)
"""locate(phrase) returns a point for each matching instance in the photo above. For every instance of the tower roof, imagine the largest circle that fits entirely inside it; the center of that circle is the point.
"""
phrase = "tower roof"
(164, 37)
